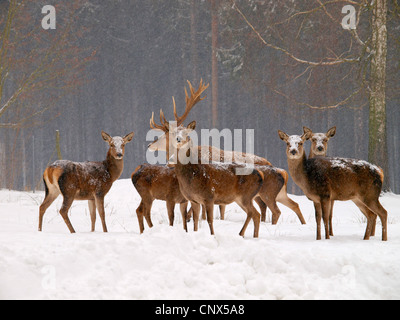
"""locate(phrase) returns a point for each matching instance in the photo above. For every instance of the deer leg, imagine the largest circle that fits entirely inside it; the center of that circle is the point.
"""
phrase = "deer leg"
(48, 200)
(67, 202)
(189, 214)
(377, 208)
(203, 212)
(330, 220)
(373, 225)
(147, 213)
(368, 214)
(222, 211)
(196, 212)
(92, 211)
(170, 210)
(276, 213)
(256, 220)
(139, 213)
(246, 223)
(263, 208)
(99, 201)
(285, 200)
(318, 216)
(184, 213)
(210, 216)
(326, 210)
(252, 213)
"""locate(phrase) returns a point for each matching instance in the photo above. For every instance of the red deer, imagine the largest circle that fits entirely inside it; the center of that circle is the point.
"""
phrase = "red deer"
(209, 184)
(84, 181)
(319, 142)
(211, 153)
(157, 183)
(218, 183)
(319, 148)
(324, 180)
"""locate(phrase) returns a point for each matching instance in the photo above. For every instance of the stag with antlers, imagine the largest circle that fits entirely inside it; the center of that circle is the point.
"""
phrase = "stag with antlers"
(209, 184)
(216, 183)
(208, 154)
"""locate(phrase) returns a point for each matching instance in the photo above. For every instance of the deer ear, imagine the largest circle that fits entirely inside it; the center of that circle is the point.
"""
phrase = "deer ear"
(306, 135)
(106, 136)
(192, 125)
(305, 130)
(283, 135)
(128, 137)
(331, 132)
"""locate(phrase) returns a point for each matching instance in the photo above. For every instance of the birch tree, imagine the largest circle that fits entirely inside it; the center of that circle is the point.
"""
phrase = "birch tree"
(371, 58)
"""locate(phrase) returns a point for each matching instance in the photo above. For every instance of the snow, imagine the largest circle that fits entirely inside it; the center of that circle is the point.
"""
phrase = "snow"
(345, 163)
(285, 262)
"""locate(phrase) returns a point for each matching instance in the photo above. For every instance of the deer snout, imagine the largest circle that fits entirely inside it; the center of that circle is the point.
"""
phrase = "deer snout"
(320, 148)
(119, 155)
(293, 151)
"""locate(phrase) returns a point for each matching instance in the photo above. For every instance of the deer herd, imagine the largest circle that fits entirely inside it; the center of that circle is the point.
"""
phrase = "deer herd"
(206, 176)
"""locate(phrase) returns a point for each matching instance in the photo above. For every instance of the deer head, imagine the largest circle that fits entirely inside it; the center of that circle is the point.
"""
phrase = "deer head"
(319, 141)
(294, 144)
(117, 144)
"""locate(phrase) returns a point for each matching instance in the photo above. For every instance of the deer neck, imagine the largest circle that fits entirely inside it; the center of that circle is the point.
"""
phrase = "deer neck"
(186, 167)
(297, 169)
(114, 166)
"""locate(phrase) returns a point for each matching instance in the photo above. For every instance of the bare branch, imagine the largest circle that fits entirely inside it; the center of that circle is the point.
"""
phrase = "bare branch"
(337, 105)
(286, 52)
(353, 32)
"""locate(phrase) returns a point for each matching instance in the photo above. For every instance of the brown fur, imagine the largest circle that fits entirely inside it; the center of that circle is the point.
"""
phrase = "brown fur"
(157, 183)
(209, 184)
(264, 166)
(84, 181)
(211, 153)
(319, 141)
(319, 148)
(324, 180)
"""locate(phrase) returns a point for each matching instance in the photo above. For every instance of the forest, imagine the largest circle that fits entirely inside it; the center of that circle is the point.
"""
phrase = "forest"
(271, 65)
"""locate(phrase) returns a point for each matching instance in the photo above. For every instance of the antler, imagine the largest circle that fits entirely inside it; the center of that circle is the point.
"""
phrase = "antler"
(191, 101)
(195, 97)
(164, 123)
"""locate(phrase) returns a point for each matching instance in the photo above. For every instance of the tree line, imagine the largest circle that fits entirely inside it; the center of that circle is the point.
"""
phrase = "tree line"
(270, 64)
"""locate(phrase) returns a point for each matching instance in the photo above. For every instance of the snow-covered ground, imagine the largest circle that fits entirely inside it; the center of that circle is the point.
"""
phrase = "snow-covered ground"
(285, 262)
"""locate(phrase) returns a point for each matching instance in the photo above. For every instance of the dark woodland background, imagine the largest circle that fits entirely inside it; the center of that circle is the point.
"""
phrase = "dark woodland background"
(109, 64)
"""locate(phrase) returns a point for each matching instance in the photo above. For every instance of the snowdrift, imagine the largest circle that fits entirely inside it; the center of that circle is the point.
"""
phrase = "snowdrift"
(285, 262)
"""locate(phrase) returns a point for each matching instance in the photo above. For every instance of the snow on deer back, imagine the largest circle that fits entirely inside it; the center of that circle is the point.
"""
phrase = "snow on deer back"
(324, 180)
(84, 181)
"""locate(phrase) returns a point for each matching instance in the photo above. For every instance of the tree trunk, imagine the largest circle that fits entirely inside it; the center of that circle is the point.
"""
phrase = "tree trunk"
(214, 61)
(193, 38)
(58, 147)
(377, 152)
